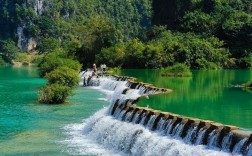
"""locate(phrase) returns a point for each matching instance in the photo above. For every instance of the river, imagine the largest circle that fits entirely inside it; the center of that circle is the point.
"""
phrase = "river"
(30, 128)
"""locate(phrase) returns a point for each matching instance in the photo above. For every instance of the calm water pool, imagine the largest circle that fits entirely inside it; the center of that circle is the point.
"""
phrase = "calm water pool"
(30, 128)
(206, 95)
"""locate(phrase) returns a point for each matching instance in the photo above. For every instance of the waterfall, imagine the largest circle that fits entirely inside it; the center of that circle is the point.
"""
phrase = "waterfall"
(133, 130)
(238, 146)
(200, 136)
(168, 128)
(121, 115)
(143, 119)
(160, 124)
(179, 130)
(128, 116)
(109, 136)
(226, 142)
(212, 139)
(249, 151)
(151, 122)
(117, 113)
(136, 117)
(190, 134)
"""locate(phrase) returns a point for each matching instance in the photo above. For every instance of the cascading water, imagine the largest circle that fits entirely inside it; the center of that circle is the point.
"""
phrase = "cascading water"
(128, 133)
(249, 153)
(200, 136)
(238, 146)
(212, 139)
(226, 142)
(102, 134)
(190, 134)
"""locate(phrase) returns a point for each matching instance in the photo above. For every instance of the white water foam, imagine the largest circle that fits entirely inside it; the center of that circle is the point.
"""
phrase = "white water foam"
(102, 134)
(249, 153)
(105, 135)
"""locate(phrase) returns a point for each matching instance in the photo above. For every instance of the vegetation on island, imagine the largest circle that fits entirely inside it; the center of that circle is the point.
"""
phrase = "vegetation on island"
(177, 70)
(248, 84)
(62, 74)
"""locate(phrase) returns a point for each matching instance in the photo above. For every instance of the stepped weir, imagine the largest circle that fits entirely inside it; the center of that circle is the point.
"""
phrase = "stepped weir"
(192, 131)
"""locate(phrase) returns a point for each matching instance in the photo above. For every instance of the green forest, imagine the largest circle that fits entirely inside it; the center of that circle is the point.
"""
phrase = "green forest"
(203, 34)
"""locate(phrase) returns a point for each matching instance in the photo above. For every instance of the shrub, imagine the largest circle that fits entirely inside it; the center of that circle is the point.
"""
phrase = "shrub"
(64, 76)
(2, 62)
(55, 60)
(248, 84)
(115, 70)
(177, 70)
(21, 57)
(37, 59)
(54, 94)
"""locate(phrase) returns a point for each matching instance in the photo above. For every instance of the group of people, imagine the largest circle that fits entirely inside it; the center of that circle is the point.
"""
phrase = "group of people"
(94, 73)
(102, 67)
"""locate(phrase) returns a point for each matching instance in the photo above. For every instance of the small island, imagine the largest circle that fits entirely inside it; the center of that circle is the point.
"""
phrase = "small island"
(177, 70)
(248, 85)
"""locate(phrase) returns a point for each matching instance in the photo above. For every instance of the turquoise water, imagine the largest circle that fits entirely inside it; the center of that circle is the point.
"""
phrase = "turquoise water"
(30, 128)
(206, 95)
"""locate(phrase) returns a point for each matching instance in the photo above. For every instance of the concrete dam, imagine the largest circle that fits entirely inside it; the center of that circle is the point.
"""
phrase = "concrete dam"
(133, 130)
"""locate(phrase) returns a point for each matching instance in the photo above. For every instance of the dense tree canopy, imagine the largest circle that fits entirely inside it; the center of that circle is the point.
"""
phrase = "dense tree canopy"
(167, 49)
(91, 29)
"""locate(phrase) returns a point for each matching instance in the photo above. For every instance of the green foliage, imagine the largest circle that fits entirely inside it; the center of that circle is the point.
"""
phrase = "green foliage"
(32, 30)
(228, 20)
(134, 54)
(248, 84)
(57, 59)
(21, 57)
(54, 94)
(95, 35)
(166, 49)
(194, 50)
(49, 45)
(112, 56)
(37, 59)
(8, 50)
(87, 28)
(115, 70)
(2, 62)
(177, 70)
(64, 76)
(197, 21)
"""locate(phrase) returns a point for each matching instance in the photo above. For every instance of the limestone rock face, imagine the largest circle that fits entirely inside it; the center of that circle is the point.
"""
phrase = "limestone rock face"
(38, 6)
(25, 43)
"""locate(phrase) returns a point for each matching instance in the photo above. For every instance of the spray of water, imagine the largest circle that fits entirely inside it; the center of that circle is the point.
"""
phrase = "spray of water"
(103, 134)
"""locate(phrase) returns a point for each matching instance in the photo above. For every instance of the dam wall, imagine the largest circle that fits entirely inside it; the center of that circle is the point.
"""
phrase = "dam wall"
(190, 130)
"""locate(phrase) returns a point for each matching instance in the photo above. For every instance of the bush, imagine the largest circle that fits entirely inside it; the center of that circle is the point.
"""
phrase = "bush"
(63, 76)
(2, 62)
(49, 45)
(115, 70)
(55, 60)
(54, 94)
(248, 84)
(21, 57)
(177, 70)
(37, 59)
